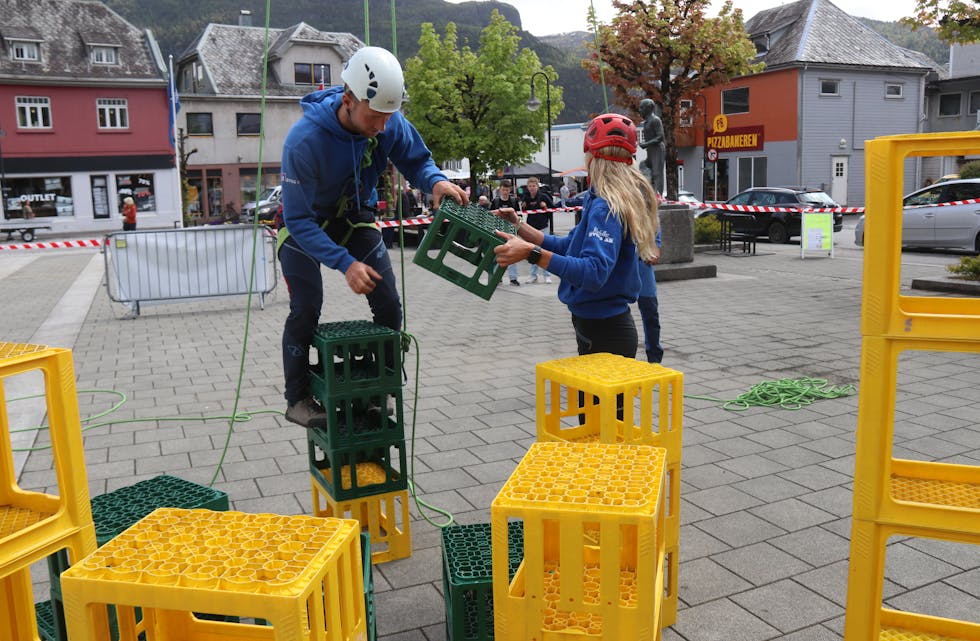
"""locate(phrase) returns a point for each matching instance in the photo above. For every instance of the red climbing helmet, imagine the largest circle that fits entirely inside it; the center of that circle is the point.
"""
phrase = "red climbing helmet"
(610, 130)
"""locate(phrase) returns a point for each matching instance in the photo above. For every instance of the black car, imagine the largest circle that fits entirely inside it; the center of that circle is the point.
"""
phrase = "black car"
(778, 226)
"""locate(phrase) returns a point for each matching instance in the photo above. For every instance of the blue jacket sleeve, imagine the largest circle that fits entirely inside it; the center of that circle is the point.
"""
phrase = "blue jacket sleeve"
(590, 261)
(413, 158)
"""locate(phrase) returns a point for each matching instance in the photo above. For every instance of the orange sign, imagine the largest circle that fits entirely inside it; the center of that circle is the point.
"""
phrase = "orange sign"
(738, 139)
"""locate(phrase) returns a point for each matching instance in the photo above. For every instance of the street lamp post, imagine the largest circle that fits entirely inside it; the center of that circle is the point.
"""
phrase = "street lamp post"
(704, 147)
(533, 104)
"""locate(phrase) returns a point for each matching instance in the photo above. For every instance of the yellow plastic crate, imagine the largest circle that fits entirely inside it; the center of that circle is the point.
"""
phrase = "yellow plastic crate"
(17, 617)
(918, 493)
(384, 516)
(594, 544)
(884, 311)
(34, 525)
(578, 400)
(302, 574)
(866, 617)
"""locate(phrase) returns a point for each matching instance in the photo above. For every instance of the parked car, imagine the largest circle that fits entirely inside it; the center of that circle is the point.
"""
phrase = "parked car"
(949, 227)
(267, 208)
(778, 226)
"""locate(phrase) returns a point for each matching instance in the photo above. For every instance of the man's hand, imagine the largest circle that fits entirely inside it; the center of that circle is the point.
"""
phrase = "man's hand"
(513, 251)
(445, 188)
(361, 278)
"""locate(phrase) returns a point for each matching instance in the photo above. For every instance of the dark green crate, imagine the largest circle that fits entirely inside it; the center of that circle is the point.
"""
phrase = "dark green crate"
(467, 574)
(361, 416)
(388, 455)
(47, 622)
(356, 355)
(467, 239)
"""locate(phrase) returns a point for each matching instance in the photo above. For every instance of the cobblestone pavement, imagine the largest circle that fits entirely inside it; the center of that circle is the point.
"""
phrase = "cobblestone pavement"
(766, 492)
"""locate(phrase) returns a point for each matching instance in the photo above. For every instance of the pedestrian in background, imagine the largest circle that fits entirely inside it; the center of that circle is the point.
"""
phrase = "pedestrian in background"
(597, 260)
(505, 198)
(129, 214)
(536, 199)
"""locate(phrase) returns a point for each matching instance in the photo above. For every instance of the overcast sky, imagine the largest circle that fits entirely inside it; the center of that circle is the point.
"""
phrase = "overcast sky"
(545, 17)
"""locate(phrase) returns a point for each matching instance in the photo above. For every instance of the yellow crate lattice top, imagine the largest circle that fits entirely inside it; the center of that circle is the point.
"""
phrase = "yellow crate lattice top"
(936, 492)
(233, 551)
(607, 369)
(14, 519)
(12, 350)
(367, 474)
(596, 476)
(900, 634)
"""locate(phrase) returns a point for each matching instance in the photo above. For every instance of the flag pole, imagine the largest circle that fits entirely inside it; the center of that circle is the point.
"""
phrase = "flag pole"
(172, 98)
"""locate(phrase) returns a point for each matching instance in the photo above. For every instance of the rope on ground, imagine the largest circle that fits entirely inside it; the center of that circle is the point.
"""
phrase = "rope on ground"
(787, 393)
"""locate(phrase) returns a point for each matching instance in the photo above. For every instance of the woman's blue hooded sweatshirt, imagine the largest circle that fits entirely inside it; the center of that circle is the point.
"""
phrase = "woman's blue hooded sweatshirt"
(322, 163)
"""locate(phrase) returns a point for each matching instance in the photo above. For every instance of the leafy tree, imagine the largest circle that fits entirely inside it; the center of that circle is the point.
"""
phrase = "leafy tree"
(956, 21)
(668, 50)
(473, 105)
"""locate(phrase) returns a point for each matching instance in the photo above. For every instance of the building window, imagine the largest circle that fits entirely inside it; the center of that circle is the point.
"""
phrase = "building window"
(104, 56)
(44, 197)
(686, 116)
(140, 187)
(751, 172)
(974, 101)
(735, 101)
(33, 112)
(307, 73)
(248, 124)
(29, 51)
(830, 87)
(894, 90)
(200, 124)
(949, 104)
(555, 146)
(113, 113)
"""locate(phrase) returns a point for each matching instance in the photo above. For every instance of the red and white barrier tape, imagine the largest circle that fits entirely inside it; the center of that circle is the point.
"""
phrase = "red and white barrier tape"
(59, 244)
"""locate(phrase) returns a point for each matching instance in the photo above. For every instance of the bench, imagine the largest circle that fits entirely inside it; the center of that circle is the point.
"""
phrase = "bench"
(729, 238)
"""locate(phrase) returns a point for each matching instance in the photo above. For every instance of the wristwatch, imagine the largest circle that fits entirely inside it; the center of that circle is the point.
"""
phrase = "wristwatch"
(535, 255)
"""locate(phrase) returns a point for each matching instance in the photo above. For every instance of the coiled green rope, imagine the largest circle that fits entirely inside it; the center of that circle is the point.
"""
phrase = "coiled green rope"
(787, 393)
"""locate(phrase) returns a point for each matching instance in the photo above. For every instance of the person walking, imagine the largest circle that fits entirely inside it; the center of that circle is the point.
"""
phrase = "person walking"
(129, 214)
(506, 198)
(331, 161)
(597, 260)
(535, 199)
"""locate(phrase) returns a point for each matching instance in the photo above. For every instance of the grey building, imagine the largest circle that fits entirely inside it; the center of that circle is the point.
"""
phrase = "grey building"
(220, 81)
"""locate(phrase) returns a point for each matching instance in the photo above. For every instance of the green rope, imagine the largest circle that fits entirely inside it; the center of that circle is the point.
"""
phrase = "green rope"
(598, 53)
(787, 393)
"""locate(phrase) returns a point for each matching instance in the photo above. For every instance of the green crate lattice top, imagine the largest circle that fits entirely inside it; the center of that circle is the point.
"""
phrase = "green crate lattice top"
(352, 329)
(475, 216)
(469, 554)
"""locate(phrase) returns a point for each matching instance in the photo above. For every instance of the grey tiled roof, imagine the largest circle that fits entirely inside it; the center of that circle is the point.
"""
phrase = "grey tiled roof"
(818, 32)
(232, 56)
(65, 29)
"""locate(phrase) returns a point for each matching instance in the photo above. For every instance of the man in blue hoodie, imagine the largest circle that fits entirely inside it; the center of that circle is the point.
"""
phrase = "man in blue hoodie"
(331, 162)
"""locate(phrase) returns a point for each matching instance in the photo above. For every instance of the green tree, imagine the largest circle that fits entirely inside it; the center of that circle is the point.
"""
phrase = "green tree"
(669, 50)
(473, 105)
(956, 21)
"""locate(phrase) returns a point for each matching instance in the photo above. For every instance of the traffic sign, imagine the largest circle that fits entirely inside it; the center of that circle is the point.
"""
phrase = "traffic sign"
(712, 154)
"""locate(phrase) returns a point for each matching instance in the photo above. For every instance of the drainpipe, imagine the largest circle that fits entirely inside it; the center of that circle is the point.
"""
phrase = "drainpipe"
(799, 126)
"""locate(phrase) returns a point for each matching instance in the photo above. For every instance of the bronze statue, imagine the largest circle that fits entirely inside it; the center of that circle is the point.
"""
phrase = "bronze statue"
(653, 141)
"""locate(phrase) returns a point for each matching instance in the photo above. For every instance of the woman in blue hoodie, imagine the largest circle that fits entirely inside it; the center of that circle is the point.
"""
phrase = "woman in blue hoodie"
(331, 161)
(598, 261)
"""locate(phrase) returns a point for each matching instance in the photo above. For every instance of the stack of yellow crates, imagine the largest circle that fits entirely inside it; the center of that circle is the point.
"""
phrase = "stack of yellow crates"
(893, 496)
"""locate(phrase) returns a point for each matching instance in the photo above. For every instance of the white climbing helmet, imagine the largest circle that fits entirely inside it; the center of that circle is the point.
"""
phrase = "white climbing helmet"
(373, 74)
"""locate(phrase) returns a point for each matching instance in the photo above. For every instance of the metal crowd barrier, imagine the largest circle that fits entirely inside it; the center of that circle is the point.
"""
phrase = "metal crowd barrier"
(193, 263)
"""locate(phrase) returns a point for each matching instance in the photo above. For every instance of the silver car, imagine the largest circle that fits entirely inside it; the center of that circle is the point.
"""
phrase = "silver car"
(946, 227)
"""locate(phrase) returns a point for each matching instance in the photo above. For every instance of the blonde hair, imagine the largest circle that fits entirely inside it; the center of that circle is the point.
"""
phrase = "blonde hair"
(128, 200)
(629, 194)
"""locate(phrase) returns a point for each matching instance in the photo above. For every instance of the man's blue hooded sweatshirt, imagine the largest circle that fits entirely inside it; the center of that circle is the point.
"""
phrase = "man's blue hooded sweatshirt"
(323, 164)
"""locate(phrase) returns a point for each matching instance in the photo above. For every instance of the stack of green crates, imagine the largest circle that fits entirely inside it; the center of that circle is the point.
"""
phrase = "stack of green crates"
(361, 451)
(468, 235)
(112, 513)
(467, 576)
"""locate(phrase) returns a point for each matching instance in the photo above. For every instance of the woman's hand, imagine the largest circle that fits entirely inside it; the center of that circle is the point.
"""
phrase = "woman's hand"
(506, 213)
(513, 251)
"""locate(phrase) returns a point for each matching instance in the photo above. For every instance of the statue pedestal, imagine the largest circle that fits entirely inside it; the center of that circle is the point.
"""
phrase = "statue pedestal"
(677, 237)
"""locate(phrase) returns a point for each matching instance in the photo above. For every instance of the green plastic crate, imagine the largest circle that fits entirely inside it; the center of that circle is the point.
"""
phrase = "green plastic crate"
(467, 239)
(467, 574)
(47, 622)
(353, 356)
(384, 459)
(361, 416)
(369, 609)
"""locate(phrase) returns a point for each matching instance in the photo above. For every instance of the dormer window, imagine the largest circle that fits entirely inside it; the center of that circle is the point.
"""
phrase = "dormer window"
(102, 55)
(762, 43)
(25, 50)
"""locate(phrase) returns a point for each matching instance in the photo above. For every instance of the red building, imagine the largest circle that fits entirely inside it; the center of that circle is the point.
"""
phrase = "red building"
(85, 118)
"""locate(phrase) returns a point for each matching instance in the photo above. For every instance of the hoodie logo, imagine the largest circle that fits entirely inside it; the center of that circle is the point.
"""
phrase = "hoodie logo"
(600, 234)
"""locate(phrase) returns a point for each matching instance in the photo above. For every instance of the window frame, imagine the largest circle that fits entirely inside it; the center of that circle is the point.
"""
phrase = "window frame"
(727, 108)
(314, 67)
(27, 45)
(24, 105)
(686, 113)
(901, 90)
(245, 116)
(109, 106)
(959, 105)
(113, 52)
(210, 119)
(830, 94)
(971, 105)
